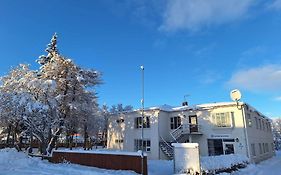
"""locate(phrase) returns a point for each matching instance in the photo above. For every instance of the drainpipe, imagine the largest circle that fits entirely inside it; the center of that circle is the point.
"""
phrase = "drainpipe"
(245, 130)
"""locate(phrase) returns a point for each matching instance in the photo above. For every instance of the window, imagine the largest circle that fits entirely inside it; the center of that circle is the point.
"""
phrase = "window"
(263, 145)
(118, 141)
(215, 147)
(266, 147)
(229, 149)
(146, 145)
(257, 124)
(260, 148)
(253, 149)
(249, 120)
(138, 122)
(260, 124)
(221, 119)
(175, 122)
(121, 120)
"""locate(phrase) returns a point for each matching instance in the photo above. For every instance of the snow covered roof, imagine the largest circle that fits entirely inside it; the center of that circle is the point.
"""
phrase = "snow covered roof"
(204, 106)
(216, 104)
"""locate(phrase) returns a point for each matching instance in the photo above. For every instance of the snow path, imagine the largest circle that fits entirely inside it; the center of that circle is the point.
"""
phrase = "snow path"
(269, 167)
(18, 163)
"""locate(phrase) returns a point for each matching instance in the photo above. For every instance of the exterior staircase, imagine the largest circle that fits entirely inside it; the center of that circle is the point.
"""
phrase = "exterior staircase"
(179, 135)
(167, 149)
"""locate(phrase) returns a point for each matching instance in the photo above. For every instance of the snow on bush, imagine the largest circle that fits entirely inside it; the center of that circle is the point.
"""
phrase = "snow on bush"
(212, 163)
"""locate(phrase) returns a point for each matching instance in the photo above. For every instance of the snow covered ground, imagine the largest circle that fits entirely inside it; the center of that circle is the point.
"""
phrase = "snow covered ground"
(18, 163)
(269, 167)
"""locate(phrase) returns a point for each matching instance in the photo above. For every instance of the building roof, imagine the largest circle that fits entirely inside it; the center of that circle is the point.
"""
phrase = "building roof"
(205, 106)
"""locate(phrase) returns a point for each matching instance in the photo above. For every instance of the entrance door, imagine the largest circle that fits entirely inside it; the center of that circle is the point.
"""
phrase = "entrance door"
(193, 123)
(228, 147)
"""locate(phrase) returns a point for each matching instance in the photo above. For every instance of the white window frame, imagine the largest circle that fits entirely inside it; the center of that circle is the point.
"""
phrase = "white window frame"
(146, 145)
(217, 115)
(173, 123)
(138, 122)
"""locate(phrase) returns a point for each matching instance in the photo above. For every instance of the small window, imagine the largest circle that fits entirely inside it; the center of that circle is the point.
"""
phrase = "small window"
(146, 145)
(257, 124)
(249, 120)
(119, 141)
(175, 122)
(260, 148)
(253, 149)
(138, 122)
(121, 120)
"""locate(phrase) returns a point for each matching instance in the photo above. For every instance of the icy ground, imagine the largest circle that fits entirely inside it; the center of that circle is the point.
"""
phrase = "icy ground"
(18, 163)
(269, 167)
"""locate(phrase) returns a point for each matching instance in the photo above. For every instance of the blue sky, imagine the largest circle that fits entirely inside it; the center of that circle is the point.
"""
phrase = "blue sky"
(203, 48)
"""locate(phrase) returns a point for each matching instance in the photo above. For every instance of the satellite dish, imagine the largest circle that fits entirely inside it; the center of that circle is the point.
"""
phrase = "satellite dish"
(235, 95)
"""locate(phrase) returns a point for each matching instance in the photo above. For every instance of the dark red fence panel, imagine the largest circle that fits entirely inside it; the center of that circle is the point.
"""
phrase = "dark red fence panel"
(102, 160)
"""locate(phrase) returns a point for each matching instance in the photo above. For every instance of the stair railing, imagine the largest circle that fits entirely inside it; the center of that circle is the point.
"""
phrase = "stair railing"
(166, 143)
(182, 129)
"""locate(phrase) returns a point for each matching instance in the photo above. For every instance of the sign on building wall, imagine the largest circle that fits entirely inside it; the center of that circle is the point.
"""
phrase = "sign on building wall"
(186, 158)
(219, 136)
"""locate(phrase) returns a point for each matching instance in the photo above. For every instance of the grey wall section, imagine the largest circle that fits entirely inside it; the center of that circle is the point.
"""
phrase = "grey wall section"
(259, 135)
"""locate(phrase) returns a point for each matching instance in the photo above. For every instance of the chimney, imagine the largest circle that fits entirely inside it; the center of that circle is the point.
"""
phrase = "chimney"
(185, 103)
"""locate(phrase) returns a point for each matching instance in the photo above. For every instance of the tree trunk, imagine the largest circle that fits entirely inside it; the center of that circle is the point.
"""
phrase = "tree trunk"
(8, 135)
(30, 149)
(71, 142)
(85, 136)
(53, 140)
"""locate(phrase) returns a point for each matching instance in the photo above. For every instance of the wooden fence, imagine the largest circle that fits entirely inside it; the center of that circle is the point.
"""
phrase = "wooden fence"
(102, 159)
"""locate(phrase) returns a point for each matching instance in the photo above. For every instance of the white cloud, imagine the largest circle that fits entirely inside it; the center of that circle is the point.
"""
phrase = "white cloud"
(276, 5)
(196, 14)
(278, 98)
(266, 78)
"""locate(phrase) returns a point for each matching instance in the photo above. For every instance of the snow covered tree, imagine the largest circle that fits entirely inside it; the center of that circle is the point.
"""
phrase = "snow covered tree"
(25, 102)
(73, 86)
(60, 95)
(276, 128)
(119, 108)
(51, 50)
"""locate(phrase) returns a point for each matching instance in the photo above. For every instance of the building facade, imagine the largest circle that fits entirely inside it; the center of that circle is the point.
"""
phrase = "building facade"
(219, 128)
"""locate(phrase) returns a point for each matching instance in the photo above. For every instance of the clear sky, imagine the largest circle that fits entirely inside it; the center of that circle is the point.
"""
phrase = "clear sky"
(203, 48)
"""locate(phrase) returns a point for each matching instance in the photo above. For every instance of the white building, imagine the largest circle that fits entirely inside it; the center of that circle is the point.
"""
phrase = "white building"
(219, 128)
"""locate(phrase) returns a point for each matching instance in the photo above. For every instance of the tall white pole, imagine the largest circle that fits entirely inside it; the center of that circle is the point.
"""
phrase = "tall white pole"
(142, 114)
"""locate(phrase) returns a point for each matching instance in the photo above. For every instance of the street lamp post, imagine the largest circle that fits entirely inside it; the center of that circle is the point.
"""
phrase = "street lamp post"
(142, 120)
(236, 96)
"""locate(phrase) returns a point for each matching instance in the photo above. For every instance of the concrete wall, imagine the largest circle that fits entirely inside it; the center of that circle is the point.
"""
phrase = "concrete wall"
(210, 131)
(259, 135)
(129, 133)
